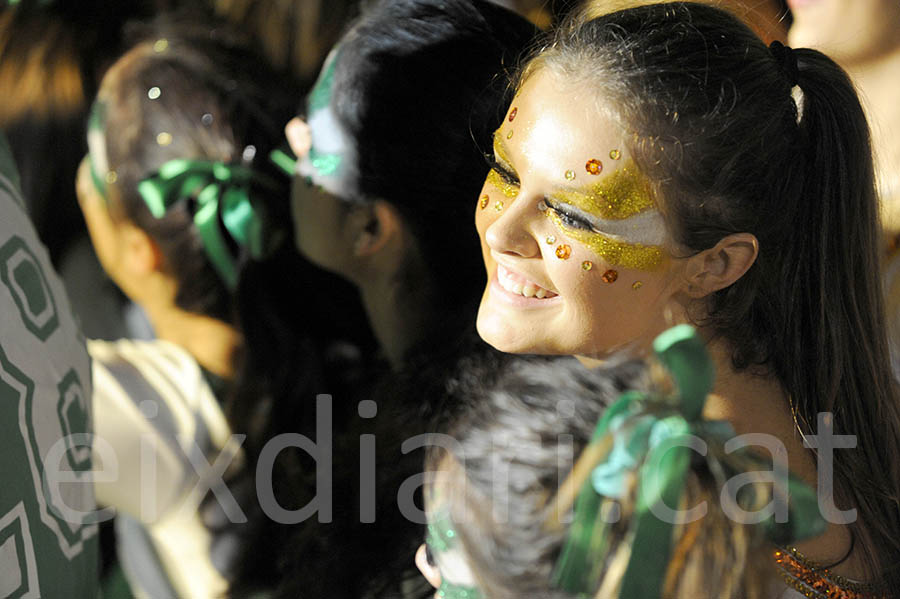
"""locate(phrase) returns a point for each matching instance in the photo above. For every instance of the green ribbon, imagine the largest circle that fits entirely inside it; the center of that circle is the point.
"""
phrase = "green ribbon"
(651, 439)
(222, 193)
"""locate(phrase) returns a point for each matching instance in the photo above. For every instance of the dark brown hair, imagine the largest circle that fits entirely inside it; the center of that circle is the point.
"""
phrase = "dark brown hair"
(712, 121)
(216, 100)
(532, 425)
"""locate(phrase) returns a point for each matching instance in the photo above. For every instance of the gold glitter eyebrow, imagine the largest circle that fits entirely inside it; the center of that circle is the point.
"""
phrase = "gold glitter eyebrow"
(621, 194)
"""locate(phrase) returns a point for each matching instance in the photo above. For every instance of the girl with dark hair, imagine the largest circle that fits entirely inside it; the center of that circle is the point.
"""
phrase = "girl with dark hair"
(389, 147)
(188, 216)
(662, 164)
(387, 154)
(550, 488)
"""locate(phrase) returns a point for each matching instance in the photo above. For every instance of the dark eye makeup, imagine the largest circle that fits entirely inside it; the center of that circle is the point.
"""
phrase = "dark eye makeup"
(508, 176)
(568, 217)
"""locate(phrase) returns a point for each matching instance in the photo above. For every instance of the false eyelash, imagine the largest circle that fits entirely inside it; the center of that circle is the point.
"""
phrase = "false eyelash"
(569, 219)
(501, 170)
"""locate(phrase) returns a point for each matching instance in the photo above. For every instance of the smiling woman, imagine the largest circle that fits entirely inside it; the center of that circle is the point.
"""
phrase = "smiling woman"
(592, 236)
(653, 168)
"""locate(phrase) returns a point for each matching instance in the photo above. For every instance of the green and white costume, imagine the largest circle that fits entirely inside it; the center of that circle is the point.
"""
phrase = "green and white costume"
(48, 532)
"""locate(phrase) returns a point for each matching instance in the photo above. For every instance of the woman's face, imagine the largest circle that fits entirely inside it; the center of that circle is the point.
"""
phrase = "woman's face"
(849, 31)
(573, 243)
(319, 216)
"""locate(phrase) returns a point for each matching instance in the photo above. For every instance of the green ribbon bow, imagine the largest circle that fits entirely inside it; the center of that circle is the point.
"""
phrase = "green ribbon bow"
(654, 445)
(223, 196)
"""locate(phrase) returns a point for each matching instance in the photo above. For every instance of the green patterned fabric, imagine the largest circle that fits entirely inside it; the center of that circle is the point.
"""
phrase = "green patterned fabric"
(48, 536)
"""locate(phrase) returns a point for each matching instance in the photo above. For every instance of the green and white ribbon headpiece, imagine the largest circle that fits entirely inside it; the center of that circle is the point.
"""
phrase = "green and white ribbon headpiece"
(331, 162)
(651, 442)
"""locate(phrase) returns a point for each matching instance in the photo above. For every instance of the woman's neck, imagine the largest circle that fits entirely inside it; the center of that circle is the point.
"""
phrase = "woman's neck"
(397, 314)
(755, 403)
(212, 342)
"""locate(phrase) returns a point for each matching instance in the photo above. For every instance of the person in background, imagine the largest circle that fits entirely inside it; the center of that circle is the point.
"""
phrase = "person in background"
(48, 528)
(390, 145)
(548, 487)
(182, 203)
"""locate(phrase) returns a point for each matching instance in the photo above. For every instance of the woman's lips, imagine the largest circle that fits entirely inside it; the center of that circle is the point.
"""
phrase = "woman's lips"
(516, 284)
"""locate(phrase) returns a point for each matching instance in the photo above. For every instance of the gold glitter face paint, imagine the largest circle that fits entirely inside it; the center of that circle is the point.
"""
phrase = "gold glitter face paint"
(619, 195)
(496, 180)
(615, 252)
(500, 150)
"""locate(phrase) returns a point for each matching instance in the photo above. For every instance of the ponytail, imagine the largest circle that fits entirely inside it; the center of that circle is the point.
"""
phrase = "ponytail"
(835, 319)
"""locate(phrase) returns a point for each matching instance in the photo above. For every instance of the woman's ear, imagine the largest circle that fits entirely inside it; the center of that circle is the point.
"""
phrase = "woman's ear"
(721, 265)
(376, 225)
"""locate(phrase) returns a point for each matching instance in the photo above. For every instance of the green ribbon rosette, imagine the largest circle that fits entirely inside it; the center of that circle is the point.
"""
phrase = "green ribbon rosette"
(222, 195)
(651, 447)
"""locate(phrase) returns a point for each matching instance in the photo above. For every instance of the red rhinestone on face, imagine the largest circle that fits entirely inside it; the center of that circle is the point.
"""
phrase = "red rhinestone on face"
(513, 113)
(593, 166)
(610, 276)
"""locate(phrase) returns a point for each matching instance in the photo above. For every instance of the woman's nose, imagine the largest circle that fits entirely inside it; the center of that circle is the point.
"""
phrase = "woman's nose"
(512, 232)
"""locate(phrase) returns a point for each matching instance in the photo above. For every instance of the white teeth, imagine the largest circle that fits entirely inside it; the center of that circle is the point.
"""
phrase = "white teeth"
(508, 282)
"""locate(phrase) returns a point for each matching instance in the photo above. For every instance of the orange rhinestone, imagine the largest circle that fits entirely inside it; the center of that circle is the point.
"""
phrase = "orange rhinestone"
(563, 252)
(513, 114)
(484, 201)
(593, 166)
(610, 276)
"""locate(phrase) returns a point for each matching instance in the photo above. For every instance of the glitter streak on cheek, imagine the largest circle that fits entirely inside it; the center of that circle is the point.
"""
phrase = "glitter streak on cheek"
(507, 189)
(614, 252)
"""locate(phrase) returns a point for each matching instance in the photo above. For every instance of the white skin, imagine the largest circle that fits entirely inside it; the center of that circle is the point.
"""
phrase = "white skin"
(863, 36)
(587, 316)
(557, 128)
